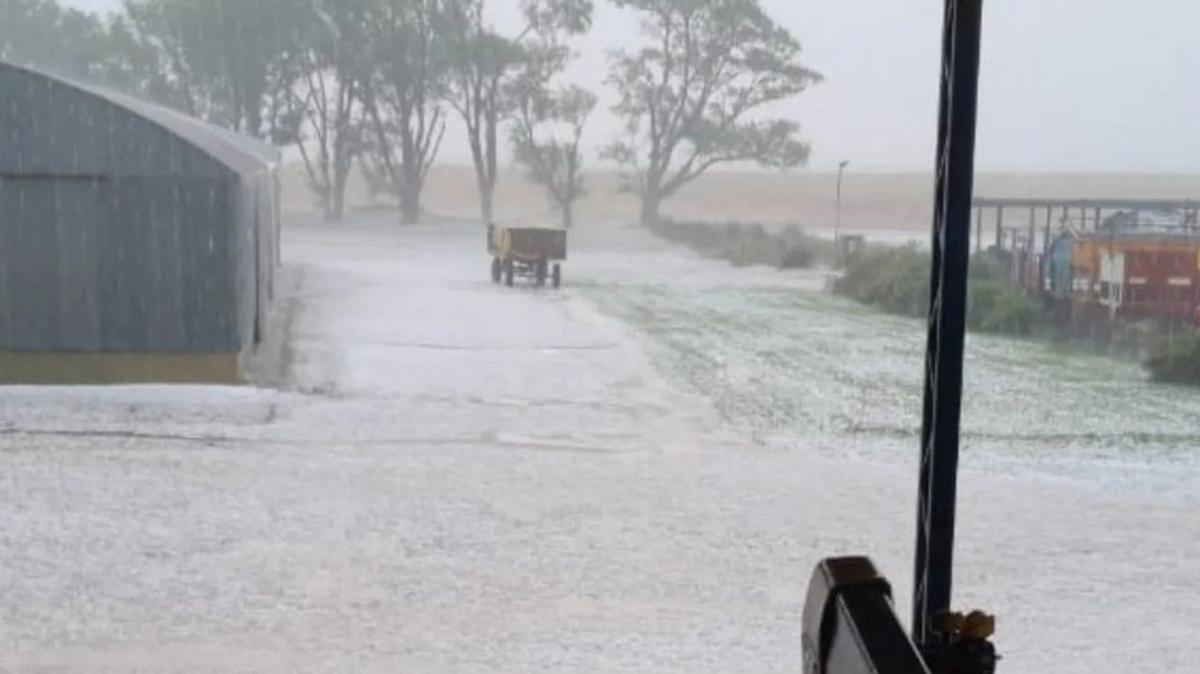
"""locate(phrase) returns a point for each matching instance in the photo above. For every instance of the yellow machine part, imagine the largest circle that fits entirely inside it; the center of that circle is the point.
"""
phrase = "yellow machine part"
(976, 624)
(502, 241)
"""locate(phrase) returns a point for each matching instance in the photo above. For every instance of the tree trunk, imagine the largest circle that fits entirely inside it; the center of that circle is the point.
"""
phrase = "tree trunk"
(325, 199)
(568, 216)
(339, 198)
(650, 205)
(485, 186)
(254, 118)
(410, 204)
(338, 207)
(491, 122)
(486, 191)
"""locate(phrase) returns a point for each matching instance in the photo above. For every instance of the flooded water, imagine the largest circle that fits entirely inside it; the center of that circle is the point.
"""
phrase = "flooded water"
(635, 473)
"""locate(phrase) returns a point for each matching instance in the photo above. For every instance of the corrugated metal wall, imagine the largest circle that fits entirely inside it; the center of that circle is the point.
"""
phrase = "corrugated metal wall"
(116, 235)
(132, 264)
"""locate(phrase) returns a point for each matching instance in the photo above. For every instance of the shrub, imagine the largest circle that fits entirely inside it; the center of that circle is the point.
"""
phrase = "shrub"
(797, 257)
(1176, 360)
(893, 279)
(897, 280)
(994, 306)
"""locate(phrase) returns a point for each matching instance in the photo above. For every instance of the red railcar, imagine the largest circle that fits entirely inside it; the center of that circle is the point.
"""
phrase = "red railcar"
(1138, 275)
(1161, 281)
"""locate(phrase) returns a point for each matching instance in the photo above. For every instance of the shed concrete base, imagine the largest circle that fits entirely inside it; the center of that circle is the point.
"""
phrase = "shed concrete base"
(19, 367)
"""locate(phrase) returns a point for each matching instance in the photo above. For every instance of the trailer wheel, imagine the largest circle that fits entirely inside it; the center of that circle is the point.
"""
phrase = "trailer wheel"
(508, 273)
(497, 269)
(540, 273)
(556, 275)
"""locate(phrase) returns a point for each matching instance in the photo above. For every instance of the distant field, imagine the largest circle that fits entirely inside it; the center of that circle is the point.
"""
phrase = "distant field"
(877, 201)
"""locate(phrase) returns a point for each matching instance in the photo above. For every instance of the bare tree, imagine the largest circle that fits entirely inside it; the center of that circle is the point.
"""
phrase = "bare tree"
(689, 96)
(46, 34)
(212, 58)
(546, 138)
(160, 45)
(401, 96)
(324, 105)
(484, 60)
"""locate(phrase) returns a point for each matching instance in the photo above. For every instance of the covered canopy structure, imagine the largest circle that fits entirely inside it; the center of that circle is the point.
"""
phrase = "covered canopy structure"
(136, 243)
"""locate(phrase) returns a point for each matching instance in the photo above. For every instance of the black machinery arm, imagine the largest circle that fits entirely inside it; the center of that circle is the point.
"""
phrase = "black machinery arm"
(850, 627)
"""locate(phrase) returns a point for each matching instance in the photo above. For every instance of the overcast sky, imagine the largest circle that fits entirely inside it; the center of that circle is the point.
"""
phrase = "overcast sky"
(1112, 88)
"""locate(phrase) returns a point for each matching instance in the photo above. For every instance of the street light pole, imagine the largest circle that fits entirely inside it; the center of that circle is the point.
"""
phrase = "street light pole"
(837, 215)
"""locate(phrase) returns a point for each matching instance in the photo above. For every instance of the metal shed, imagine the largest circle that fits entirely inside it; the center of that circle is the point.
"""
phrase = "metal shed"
(136, 243)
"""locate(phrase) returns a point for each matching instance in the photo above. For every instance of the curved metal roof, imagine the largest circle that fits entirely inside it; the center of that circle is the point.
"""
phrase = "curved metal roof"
(241, 154)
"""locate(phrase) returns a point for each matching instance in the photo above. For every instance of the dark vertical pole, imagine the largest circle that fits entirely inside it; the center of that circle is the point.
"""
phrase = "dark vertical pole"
(999, 227)
(955, 167)
(978, 228)
(1046, 238)
(1030, 245)
(1096, 225)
